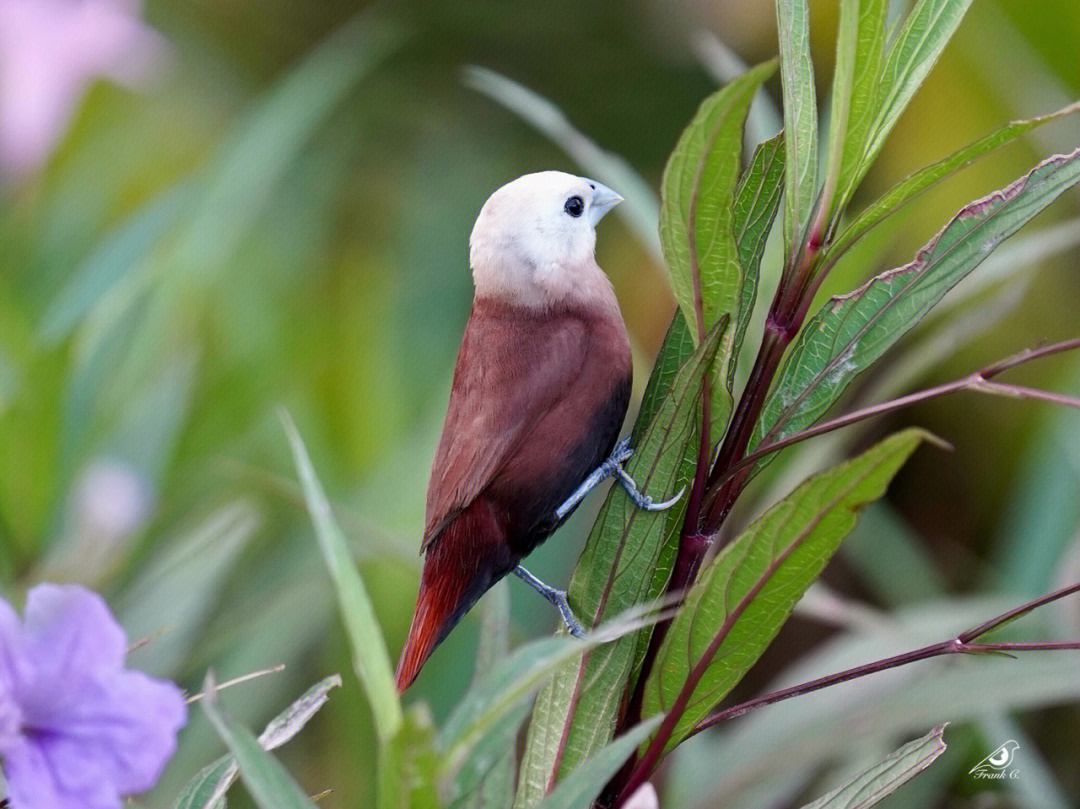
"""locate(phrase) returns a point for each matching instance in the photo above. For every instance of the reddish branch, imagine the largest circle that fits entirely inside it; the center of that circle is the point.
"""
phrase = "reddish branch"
(964, 643)
(979, 382)
(961, 644)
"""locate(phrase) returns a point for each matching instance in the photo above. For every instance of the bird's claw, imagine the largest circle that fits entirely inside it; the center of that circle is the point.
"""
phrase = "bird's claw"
(646, 503)
(567, 615)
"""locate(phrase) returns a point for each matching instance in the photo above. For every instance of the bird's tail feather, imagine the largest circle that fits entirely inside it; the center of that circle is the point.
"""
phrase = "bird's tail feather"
(460, 566)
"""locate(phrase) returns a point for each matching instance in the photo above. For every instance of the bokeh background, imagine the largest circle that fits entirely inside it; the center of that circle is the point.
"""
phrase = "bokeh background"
(213, 209)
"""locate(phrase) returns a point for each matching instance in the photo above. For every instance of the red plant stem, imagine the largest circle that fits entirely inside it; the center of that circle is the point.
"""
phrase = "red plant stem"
(961, 644)
(977, 381)
(934, 650)
(785, 317)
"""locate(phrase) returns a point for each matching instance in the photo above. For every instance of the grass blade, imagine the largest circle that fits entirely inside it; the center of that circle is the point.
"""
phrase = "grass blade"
(486, 779)
(583, 785)
(370, 659)
(207, 789)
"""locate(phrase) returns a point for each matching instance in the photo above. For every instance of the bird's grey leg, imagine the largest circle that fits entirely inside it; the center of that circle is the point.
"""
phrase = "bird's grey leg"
(556, 597)
(614, 466)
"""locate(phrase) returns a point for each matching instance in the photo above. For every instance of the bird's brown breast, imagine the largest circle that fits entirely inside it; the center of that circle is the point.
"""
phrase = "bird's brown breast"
(537, 402)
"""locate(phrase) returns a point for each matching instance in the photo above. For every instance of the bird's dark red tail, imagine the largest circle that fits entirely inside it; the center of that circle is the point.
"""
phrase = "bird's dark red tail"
(462, 563)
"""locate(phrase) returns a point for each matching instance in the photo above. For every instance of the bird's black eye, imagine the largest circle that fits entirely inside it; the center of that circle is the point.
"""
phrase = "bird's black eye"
(574, 206)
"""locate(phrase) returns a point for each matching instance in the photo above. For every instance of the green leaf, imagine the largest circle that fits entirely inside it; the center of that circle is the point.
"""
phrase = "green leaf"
(852, 331)
(884, 778)
(583, 785)
(269, 785)
(677, 347)
(745, 595)
(208, 787)
(697, 216)
(862, 99)
(409, 764)
(124, 247)
(909, 188)
(756, 203)
(626, 561)
(486, 778)
(200, 791)
(370, 659)
(516, 679)
(800, 118)
(916, 48)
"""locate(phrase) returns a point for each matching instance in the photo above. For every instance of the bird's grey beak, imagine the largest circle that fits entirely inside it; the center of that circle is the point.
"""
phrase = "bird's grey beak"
(604, 199)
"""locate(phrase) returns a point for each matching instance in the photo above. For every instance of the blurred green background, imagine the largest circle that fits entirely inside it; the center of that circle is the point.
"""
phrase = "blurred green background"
(276, 215)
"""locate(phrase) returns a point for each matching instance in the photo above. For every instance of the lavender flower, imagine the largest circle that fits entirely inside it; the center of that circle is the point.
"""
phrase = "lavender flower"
(77, 729)
(50, 51)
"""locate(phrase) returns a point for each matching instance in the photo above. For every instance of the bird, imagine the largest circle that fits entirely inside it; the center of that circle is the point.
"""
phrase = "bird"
(539, 393)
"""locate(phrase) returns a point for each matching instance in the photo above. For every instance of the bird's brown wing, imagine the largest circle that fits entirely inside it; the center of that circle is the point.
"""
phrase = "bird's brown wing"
(510, 371)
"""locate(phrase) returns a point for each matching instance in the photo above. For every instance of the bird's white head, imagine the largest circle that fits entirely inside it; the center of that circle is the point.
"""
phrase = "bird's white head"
(533, 241)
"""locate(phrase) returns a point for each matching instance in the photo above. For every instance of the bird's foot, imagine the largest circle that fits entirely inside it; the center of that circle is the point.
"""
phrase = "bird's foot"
(556, 597)
(614, 466)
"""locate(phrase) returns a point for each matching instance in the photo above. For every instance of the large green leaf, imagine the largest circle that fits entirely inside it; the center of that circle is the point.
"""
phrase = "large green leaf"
(268, 783)
(916, 48)
(851, 331)
(909, 188)
(800, 118)
(582, 786)
(745, 595)
(860, 43)
(370, 658)
(881, 780)
(697, 212)
(757, 200)
(626, 561)
(676, 349)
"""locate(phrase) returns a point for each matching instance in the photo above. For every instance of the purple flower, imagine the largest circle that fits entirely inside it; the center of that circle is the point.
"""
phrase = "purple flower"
(77, 729)
(50, 51)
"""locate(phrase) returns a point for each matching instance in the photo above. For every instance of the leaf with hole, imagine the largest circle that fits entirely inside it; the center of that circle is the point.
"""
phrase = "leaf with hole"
(369, 655)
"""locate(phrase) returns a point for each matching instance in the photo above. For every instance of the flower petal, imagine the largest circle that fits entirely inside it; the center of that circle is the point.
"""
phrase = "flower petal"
(70, 633)
(35, 783)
